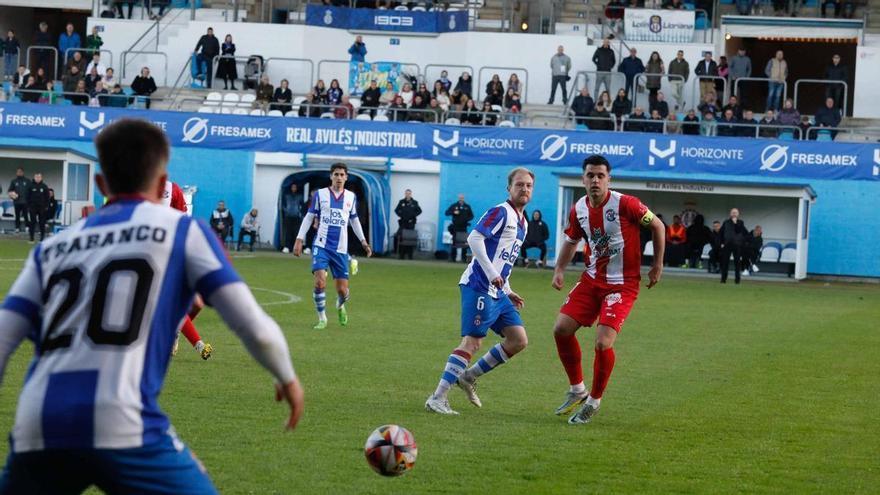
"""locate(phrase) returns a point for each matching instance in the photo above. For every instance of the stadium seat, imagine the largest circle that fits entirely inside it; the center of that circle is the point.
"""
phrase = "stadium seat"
(328, 115)
(363, 116)
(419, 8)
(355, 103)
(247, 99)
(707, 248)
(649, 249)
(275, 113)
(8, 208)
(786, 135)
(506, 123)
(206, 110)
(401, 7)
(452, 121)
(213, 98)
(257, 112)
(230, 99)
(770, 252)
(291, 114)
(225, 111)
(240, 111)
(789, 253)
(381, 118)
(824, 135)
(497, 108)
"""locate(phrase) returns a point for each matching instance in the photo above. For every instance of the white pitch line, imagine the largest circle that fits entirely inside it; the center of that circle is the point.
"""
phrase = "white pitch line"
(291, 298)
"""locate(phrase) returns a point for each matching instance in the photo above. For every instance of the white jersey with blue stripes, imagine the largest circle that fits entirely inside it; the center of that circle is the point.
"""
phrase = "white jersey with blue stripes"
(505, 230)
(334, 212)
(106, 298)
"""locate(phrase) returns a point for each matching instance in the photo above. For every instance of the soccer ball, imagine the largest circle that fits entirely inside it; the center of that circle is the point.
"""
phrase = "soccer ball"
(391, 450)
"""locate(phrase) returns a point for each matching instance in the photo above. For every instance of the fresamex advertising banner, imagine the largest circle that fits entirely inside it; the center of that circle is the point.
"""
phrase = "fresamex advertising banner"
(659, 25)
(386, 20)
(361, 73)
(632, 151)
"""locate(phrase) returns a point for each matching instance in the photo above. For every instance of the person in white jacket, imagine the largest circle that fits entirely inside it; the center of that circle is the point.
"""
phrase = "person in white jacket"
(250, 226)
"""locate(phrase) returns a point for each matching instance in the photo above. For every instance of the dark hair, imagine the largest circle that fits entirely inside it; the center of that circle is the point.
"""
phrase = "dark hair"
(596, 160)
(130, 151)
(338, 165)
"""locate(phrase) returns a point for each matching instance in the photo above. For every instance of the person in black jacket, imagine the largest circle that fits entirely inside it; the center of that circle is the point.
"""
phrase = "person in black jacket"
(144, 85)
(715, 252)
(604, 59)
(698, 235)
(18, 190)
(733, 235)
(582, 106)
(52, 208)
(226, 68)
(690, 125)
(465, 84)
(407, 210)
(835, 71)
(706, 67)
(210, 46)
(221, 222)
(828, 116)
(37, 202)
(370, 99)
(293, 204)
(536, 237)
(461, 214)
(752, 249)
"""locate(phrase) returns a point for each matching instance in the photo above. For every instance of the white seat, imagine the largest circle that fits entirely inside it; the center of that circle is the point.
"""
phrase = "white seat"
(355, 102)
(328, 115)
(240, 111)
(789, 255)
(213, 98)
(401, 7)
(225, 110)
(292, 114)
(649, 249)
(706, 249)
(452, 121)
(299, 99)
(363, 116)
(248, 98)
(506, 123)
(497, 108)
(230, 99)
(257, 112)
(381, 118)
(206, 109)
(419, 8)
(275, 113)
(770, 254)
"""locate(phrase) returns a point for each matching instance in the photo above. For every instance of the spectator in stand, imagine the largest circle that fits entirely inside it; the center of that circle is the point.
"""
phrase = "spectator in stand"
(20, 77)
(407, 94)
(515, 84)
(655, 69)
(226, 68)
(767, 126)
(417, 111)
(679, 67)
(438, 89)
(698, 235)
(732, 235)
(605, 98)
(48, 96)
(119, 3)
(465, 84)
(345, 110)
(311, 107)
(435, 111)
(582, 106)
(69, 39)
(70, 79)
(250, 226)
(636, 121)
(334, 93)
(601, 119)
(162, 4)
(560, 66)
(828, 116)
(109, 78)
(673, 5)
(358, 50)
(397, 110)
(709, 105)
(387, 96)
(660, 105)
(144, 86)
(42, 38)
(94, 41)
(621, 105)
(210, 48)
(92, 79)
(40, 77)
(52, 209)
(733, 104)
(424, 93)
(514, 106)
(749, 124)
(690, 124)
(221, 222)
(292, 206)
(723, 72)
(461, 214)
(97, 94)
(96, 64)
(676, 243)
(805, 127)
(508, 98)
(536, 237)
(672, 125)
(81, 94)
(10, 50)
(705, 70)
(727, 125)
(265, 92)
(444, 101)
(777, 71)
(282, 98)
(30, 93)
(789, 114)
(444, 82)
(115, 98)
(604, 60)
(630, 67)
(740, 66)
(37, 203)
(707, 125)
(470, 114)
(655, 123)
(491, 116)
(407, 211)
(77, 60)
(495, 91)
(835, 71)
(370, 99)
(320, 91)
(752, 250)
(836, 5)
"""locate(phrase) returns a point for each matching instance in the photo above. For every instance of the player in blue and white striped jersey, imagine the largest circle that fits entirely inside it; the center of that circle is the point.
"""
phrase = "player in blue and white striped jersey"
(103, 301)
(487, 301)
(335, 208)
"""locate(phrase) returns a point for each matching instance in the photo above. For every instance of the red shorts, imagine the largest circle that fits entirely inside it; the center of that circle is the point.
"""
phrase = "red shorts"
(589, 300)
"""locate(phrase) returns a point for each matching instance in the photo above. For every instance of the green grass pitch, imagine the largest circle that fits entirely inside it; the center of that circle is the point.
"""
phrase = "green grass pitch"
(758, 388)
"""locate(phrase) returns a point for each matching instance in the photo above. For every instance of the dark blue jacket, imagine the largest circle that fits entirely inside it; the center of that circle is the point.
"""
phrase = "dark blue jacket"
(358, 52)
(630, 66)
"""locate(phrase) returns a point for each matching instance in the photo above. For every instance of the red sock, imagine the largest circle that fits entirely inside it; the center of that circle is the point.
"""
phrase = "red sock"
(570, 354)
(602, 366)
(189, 331)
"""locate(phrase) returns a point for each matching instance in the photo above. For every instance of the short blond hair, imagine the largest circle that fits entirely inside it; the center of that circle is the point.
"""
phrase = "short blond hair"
(517, 170)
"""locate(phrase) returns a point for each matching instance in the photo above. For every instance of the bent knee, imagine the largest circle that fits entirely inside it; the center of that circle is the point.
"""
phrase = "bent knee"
(604, 344)
(516, 346)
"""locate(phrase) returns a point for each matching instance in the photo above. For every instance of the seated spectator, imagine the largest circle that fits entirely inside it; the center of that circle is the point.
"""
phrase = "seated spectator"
(676, 242)
(805, 125)
(70, 79)
(370, 99)
(655, 124)
(407, 94)
(144, 85)
(250, 226)
(465, 84)
(455, 99)
(221, 221)
(727, 125)
(514, 83)
(733, 104)
(282, 99)
(621, 105)
(397, 110)
(672, 125)
(436, 110)
(470, 114)
(444, 101)
(265, 92)
(582, 106)
(334, 94)
(749, 125)
(30, 93)
(424, 93)
(311, 107)
(48, 96)
(345, 110)
(751, 252)
(417, 110)
(109, 79)
(636, 121)
(767, 125)
(698, 235)
(690, 124)
(491, 116)
(80, 94)
(514, 105)
(444, 82)
(115, 98)
(77, 61)
(320, 92)
(708, 105)
(20, 77)
(40, 77)
(438, 88)
(707, 126)
(660, 105)
(97, 94)
(495, 91)
(605, 98)
(789, 115)
(600, 118)
(96, 64)
(828, 116)
(536, 237)
(388, 95)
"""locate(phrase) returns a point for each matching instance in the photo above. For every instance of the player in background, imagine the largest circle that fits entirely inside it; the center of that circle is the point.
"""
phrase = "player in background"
(102, 301)
(173, 196)
(487, 301)
(609, 222)
(336, 208)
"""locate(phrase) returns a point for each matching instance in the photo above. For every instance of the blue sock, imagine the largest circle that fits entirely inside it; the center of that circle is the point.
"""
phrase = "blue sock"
(455, 366)
(491, 360)
(320, 303)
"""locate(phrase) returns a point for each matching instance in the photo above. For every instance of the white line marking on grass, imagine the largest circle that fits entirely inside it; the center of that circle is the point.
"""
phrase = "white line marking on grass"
(290, 298)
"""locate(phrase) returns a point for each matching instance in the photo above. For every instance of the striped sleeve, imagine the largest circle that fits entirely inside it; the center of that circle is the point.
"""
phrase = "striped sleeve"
(491, 221)
(574, 232)
(207, 264)
(315, 204)
(636, 211)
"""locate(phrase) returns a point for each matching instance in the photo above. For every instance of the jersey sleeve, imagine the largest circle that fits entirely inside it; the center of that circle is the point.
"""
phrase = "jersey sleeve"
(633, 209)
(207, 265)
(492, 221)
(26, 295)
(353, 213)
(315, 205)
(178, 201)
(574, 232)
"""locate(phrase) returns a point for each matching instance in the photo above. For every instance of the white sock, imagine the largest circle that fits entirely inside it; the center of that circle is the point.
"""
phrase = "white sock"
(593, 402)
(199, 346)
(578, 388)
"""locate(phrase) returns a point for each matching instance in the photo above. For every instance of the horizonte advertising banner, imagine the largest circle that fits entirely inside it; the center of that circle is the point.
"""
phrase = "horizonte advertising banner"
(659, 25)
(466, 144)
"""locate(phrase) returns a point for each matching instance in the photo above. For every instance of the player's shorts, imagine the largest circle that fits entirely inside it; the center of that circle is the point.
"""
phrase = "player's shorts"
(165, 467)
(610, 304)
(479, 313)
(323, 259)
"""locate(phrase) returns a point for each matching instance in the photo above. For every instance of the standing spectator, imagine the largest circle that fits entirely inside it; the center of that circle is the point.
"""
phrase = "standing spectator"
(789, 114)
(221, 222)
(96, 64)
(334, 93)
(370, 99)
(752, 251)
(144, 86)
(690, 124)
(777, 71)
(828, 116)
(733, 104)
(727, 125)
(18, 190)
(605, 60)
(630, 67)
(676, 242)
(461, 214)
(250, 226)
(536, 237)
(515, 84)
(292, 206)
(42, 38)
(749, 124)
(37, 202)
(120, 3)
(835, 71)
(655, 68)
(71, 79)
(210, 48)
(679, 67)
(660, 105)
(265, 92)
(465, 85)
(582, 106)
(601, 119)
(495, 91)
(11, 47)
(162, 4)
(715, 252)
(94, 41)
(77, 60)
(52, 209)
(407, 211)
(732, 234)
(698, 235)
(705, 70)
(358, 50)
(226, 67)
(621, 105)
(768, 126)
(560, 65)
(740, 66)
(69, 39)
(444, 81)
(723, 73)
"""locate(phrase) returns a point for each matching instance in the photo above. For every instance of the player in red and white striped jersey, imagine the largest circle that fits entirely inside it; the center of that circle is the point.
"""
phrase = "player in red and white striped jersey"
(609, 222)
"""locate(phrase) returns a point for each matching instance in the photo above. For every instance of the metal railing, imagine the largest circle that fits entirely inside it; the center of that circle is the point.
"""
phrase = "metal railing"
(73, 97)
(404, 115)
(524, 82)
(308, 62)
(591, 122)
(825, 82)
(442, 67)
(765, 80)
(90, 50)
(43, 48)
(162, 54)
(480, 117)
(698, 94)
(645, 76)
(584, 75)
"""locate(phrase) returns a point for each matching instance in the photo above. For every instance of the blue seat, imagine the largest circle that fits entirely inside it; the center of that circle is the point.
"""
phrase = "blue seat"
(824, 135)
(786, 135)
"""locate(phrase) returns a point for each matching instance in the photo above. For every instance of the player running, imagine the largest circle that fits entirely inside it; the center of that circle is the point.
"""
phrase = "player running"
(609, 222)
(335, 209)
(102, 302)
(487, 301)
(173, 196)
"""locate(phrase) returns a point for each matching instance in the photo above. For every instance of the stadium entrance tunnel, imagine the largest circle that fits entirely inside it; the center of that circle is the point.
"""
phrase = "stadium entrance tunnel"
(782, 211)
(371, 190)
